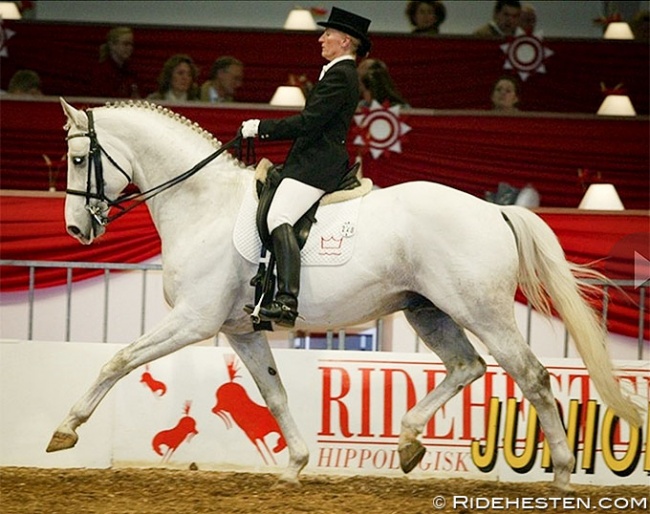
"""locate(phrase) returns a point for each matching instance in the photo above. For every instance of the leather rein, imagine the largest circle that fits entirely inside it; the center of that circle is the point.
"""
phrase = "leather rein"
(95, 162)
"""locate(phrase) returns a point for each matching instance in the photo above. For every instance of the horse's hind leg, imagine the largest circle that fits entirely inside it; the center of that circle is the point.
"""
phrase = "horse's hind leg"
(253, 349)
(509, 349)
(175, 332)
(464, 365)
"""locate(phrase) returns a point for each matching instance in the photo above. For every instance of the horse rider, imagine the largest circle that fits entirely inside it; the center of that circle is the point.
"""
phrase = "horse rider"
(318, 158)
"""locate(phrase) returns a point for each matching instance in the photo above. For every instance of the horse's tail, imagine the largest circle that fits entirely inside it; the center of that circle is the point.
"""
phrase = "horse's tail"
(544, 272)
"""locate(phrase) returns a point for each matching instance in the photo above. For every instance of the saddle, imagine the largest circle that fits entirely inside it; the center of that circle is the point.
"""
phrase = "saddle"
(268, 178)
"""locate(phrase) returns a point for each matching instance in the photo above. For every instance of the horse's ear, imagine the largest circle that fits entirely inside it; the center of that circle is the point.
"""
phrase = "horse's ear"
(75, 117)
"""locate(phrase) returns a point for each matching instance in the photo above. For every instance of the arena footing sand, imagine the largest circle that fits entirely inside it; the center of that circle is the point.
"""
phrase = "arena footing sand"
(165, 491)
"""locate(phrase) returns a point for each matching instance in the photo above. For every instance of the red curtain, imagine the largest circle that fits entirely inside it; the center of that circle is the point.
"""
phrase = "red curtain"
(475, 153)
(33, 228)
(617, 245)
(470, 151)
(444, 72)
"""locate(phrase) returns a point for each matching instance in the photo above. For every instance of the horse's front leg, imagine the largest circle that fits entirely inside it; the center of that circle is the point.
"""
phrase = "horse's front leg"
(254, 351)
(176, 331)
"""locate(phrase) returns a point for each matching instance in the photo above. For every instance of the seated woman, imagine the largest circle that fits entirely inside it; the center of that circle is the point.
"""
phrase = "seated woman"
(505, 94)
(113, 76)
(375, 83)
(178, 80)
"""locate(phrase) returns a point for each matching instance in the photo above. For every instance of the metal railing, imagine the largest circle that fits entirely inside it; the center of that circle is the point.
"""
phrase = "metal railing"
(69, 266)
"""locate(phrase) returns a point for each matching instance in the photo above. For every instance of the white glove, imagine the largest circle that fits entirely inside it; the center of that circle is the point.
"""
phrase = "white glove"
(249, 128)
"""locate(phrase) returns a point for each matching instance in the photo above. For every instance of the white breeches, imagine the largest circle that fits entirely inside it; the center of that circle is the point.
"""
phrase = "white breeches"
(292, 199)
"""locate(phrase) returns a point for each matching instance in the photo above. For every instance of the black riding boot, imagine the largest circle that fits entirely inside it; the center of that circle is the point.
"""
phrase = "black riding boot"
(284, 309)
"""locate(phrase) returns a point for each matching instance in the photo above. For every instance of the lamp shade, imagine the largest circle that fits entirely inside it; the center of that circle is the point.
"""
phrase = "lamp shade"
(9, 11)
(617, 105)
(300, 19)
(288, 96)
(618, 30)
(601, 197)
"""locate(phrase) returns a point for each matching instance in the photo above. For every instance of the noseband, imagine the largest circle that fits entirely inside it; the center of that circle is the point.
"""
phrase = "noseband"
(95, 163)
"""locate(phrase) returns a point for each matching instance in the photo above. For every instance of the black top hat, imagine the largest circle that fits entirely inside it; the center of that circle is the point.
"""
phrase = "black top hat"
(352, 24)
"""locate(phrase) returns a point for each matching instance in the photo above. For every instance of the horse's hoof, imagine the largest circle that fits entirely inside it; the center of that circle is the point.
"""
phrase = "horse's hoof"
(287, 483)
(565, 488)
(410, 455)
(62, 441)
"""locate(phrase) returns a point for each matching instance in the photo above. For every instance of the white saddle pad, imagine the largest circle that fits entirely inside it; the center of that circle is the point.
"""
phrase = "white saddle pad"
(330, 241)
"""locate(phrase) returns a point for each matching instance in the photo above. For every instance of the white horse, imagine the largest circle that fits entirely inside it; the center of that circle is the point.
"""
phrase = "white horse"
(449, 260)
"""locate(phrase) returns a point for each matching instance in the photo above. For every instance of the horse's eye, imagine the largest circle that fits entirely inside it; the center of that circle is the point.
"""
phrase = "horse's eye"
(77, 161)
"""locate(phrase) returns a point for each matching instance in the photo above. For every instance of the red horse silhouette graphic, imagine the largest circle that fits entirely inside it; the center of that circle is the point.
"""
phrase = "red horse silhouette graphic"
(153, 384)
(173, 438)
(234, 404)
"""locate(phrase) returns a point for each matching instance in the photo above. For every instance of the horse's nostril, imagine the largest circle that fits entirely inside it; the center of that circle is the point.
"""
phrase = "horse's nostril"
(73, 230)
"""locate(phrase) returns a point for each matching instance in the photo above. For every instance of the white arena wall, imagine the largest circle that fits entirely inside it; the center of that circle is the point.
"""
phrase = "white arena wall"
(347, 432)
(347, 405)
(125, 310)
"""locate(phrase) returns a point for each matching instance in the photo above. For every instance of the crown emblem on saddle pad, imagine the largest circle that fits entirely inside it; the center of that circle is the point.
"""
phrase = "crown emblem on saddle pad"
(331, 243)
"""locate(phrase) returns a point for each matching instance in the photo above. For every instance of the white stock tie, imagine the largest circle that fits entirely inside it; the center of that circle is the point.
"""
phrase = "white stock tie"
(322, 71)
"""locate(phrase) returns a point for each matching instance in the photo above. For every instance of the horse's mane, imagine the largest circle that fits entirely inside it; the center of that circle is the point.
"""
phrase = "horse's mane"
(168, 113)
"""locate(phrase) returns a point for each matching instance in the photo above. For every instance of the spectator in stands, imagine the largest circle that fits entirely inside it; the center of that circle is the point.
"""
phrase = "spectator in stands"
(375, 83)
(640, 25)
(426, 17)
(528, 19)
(25, 82)
(362, 69)
(178, 80)
(226, 76)
(113, 76)
(368, 63)
(505, 94)
(505, 20)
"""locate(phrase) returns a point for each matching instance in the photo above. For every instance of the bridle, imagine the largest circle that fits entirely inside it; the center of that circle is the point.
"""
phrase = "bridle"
(95, 164)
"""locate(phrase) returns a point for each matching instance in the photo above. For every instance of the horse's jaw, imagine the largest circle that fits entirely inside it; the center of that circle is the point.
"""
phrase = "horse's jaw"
(81, 224)
(85, 232)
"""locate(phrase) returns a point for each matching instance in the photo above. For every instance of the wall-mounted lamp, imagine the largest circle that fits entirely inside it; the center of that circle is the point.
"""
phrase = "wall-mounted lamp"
(9, 11)
(288, 96)
(617, 105)
(601, 197)
(618, 30)
(300, 19)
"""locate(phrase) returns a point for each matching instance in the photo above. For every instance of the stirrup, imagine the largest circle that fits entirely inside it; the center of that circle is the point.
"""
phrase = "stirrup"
(279, 313)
